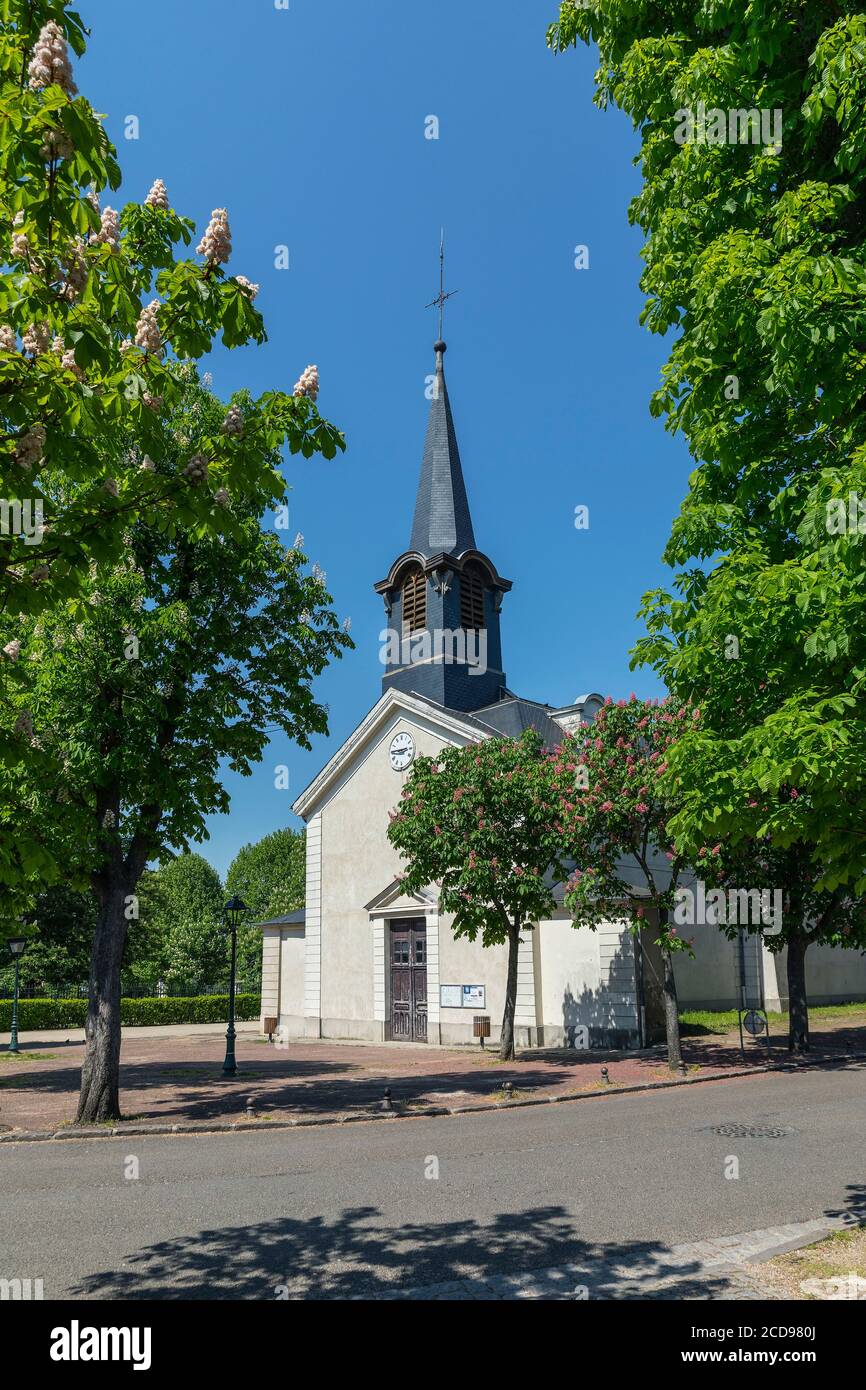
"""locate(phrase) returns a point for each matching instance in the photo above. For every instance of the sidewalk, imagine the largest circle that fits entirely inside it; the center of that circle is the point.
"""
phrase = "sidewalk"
(174, 1078)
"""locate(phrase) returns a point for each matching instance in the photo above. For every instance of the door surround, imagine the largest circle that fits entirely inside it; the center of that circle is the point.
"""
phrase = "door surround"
(407, 979)
(379, 916)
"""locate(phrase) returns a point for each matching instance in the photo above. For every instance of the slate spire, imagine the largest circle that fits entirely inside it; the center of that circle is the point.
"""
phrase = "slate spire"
(442, 523)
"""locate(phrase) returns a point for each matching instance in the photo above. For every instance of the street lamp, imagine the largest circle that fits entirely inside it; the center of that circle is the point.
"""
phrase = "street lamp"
(16, 946)
(234, 912)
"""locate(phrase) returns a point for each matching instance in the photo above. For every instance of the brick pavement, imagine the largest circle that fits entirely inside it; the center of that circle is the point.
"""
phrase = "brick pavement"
(177, 1079)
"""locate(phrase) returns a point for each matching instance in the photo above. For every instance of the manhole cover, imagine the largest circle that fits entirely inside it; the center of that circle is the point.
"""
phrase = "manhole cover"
(738, 1131)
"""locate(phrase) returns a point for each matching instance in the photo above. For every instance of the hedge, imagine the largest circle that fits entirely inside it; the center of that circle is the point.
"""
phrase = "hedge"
(37, 1014)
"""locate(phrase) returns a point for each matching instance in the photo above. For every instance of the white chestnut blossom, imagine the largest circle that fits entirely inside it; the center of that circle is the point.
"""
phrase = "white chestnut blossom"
(36, 339)
(57, 145)
(20, 247)
(69, 363)
(30, 446)
(109, 231)
(75, 266)
(12, 650)
(50, 62)
(110, 486)
(158, 196)
(147, 334)
(41, 572)
(318, 573)
(308, 384)
(127, 345)
(247, 286)
(8, 341)
(196, 469)
(298, 542)
(152, 402)
(147, 465)
(216, 244)
(234, 421)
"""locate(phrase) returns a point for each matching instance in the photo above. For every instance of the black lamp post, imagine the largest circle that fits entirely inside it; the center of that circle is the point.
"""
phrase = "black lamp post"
(16, 946)
(234, 911)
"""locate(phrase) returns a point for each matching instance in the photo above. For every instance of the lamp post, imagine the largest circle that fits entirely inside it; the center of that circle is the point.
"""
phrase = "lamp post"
(16, 946)
(234, 911)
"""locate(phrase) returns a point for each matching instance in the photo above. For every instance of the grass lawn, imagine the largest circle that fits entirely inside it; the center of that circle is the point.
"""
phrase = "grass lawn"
(700, 1021)
(836, 1258)
(6, 1056)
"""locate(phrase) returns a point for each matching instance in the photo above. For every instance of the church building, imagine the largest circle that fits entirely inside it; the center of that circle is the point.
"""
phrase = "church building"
(365, 960)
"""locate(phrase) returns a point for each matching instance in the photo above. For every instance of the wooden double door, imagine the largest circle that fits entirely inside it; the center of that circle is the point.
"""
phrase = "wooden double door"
(408, 954)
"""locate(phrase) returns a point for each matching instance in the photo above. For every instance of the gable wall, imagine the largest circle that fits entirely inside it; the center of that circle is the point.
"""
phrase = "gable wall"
(357, 863)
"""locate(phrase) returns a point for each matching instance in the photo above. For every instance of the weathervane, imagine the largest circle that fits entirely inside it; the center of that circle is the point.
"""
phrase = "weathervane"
(439, 301)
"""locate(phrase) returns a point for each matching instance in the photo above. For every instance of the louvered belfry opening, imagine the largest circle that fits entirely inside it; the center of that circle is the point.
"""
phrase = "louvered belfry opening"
(414, 602)
(471, 599)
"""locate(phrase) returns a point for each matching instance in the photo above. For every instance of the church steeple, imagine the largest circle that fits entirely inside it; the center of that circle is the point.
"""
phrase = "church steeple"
(443, 595)
(442, 521)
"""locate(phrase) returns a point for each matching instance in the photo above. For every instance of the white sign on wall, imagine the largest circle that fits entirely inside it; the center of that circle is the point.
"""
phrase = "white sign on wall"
(450, 997)
(474, 996)
(462, 996)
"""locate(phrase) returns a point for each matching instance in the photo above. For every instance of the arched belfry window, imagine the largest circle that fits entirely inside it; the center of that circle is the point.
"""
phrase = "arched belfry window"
(471, 598)
(414, 602)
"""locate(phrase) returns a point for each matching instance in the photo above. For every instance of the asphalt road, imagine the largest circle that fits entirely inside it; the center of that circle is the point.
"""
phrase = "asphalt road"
(336, 1211)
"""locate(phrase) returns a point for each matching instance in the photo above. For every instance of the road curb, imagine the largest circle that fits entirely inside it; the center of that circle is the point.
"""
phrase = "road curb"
(144, 1129)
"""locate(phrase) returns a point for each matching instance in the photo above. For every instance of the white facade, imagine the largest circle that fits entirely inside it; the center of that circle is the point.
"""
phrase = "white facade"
(332, 975)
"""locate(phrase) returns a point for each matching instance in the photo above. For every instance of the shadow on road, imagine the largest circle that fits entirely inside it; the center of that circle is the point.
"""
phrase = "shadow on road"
(353, 1256)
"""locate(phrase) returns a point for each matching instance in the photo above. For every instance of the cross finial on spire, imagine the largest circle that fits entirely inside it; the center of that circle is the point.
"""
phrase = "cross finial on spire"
(439, 301)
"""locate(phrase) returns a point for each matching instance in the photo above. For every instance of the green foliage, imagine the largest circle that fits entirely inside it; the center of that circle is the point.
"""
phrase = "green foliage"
(84, 406)
(270, 874)
(179, 661)
(37, 1015)
(756, 257)
(60, 932)
(180, 914)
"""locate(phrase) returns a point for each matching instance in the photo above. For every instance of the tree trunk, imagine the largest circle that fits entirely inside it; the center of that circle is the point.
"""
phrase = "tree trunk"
(506, 1044)
(798, 1007)
(672, 1013)
(100, 1074)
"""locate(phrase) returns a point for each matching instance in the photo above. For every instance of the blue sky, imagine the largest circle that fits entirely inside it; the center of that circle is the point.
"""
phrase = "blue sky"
(308, 125)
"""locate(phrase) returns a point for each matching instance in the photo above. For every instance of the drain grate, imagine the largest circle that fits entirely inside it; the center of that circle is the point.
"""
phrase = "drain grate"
(738, 1131)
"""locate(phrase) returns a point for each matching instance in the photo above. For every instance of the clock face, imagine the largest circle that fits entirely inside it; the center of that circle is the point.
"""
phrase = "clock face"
(401, 752)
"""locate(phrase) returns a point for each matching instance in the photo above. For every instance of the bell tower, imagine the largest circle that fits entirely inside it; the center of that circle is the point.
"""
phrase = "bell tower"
(443, 595)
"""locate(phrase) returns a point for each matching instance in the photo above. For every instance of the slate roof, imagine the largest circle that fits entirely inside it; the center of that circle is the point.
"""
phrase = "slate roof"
(511, 715)
(442, 524)
(508, 717)
(291, 919)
